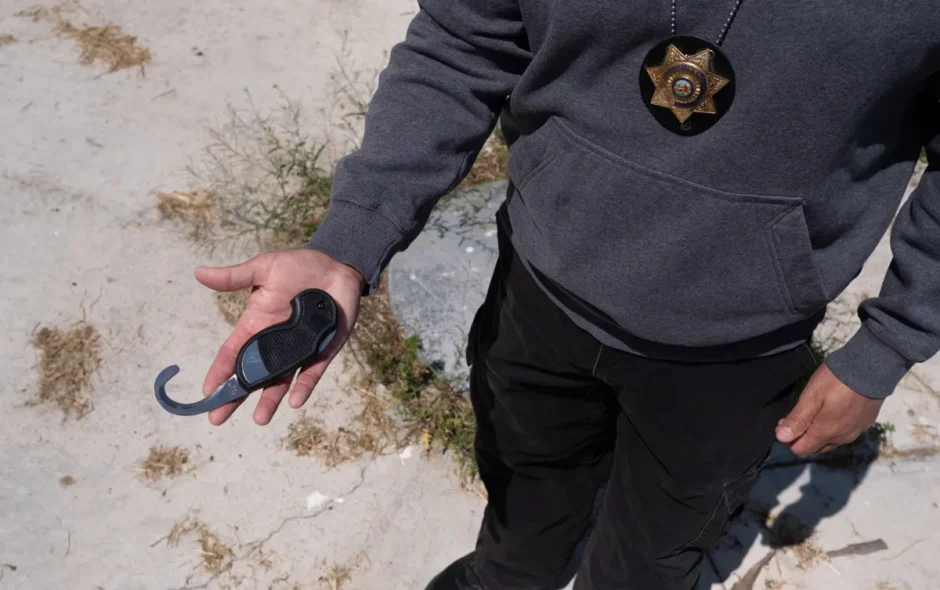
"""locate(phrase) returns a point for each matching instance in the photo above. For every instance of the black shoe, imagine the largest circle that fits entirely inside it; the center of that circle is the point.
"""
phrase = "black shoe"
(459, 575)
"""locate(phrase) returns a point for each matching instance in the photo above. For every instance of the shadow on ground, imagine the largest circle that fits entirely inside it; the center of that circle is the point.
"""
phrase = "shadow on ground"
(771, 518)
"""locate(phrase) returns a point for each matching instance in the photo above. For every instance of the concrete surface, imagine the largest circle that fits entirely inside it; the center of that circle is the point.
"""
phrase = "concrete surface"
(437, 284)
(82, 156)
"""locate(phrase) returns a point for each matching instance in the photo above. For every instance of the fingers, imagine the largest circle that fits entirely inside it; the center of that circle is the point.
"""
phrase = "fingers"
(219, 415)
(798, 421)
(309, 376)
(306, 381)
(224, 364)
(811, 442)
(239, 276)
(270, 400)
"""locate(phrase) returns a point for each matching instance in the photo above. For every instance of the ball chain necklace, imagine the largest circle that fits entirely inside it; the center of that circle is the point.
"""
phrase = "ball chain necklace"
(687, 83)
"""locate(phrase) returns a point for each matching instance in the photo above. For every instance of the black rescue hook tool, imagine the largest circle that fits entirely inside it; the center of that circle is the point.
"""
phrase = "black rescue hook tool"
(268, 356)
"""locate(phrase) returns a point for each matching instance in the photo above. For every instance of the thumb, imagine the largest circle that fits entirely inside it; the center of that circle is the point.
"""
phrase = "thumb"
(233, 278)
(800, 417)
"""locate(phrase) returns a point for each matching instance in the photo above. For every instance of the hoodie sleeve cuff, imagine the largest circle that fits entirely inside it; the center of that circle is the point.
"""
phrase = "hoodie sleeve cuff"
(868, 365)
(357, 237)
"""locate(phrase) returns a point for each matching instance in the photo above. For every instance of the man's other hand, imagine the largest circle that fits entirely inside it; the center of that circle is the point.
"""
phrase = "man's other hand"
(828, 414)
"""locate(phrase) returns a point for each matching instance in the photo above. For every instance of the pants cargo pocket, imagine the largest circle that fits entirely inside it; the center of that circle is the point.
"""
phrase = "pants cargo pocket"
(729, 503)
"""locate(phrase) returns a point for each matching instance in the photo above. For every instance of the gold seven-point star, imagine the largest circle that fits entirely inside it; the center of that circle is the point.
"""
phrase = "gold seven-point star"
(685, 84)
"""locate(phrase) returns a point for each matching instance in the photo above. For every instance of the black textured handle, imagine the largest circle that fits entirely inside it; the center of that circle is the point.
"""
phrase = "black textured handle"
(283, 348)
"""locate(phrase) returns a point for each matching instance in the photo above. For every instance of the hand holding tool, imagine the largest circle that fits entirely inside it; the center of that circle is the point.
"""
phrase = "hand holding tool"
(267, 356)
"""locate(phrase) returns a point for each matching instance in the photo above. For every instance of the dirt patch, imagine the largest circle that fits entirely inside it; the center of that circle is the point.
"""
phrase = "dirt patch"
(67, 481)
(67, 361)
(106, 44)
(232, 304)
(215, 556)
(7, 40)
(164, 463)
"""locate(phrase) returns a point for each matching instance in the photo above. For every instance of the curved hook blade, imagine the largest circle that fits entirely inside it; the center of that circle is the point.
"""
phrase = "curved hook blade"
(228, 391)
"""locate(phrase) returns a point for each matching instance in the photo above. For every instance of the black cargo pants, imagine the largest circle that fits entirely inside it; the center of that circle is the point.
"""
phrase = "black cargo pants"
(677, 445)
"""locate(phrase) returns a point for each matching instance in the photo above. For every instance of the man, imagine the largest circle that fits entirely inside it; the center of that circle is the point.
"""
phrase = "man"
(691, 183)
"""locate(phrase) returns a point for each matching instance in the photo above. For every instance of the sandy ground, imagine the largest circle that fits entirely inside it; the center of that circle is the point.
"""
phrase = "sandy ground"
(83, 154)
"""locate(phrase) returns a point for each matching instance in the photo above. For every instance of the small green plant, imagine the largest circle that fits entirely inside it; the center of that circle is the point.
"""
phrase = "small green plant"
(879, 433)
(267, 176)
(427, 402)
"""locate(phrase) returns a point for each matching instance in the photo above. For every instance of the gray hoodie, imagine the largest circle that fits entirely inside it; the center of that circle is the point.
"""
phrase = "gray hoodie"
(667, 245)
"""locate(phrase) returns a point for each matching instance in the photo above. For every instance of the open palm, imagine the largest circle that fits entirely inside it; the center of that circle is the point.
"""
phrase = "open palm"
(275, 278)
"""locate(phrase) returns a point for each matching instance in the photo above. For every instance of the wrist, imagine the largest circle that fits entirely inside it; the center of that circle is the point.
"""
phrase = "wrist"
(353, 275)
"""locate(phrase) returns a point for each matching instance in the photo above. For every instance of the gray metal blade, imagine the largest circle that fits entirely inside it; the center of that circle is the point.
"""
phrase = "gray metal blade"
(229, 391)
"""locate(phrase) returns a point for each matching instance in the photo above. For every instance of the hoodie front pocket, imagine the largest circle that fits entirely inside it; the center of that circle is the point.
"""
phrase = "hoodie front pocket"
(668, 260)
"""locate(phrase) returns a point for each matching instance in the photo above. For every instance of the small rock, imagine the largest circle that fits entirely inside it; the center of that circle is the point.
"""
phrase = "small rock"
(315, 500)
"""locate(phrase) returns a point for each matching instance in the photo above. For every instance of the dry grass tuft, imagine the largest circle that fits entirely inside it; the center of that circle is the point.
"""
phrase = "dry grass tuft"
(7, 40)
(307, 436)
(48, 13)
(68, 359)
(337, 576)
(107, 44)
(771, 584)
(215, 556)
(164, 462)
(232, 304)
(66, 481)
(808, 553)
(195, 208)
(924, 433)
(787, 532)
(492, 163)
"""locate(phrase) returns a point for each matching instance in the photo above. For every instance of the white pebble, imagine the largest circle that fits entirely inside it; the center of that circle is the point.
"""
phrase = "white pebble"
(491, 233)
(469, 249)
(315, 500)
(923, 421)
(404, 455)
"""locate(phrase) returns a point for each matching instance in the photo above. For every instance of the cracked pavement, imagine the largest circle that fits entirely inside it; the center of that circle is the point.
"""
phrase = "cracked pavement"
(84, 154)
